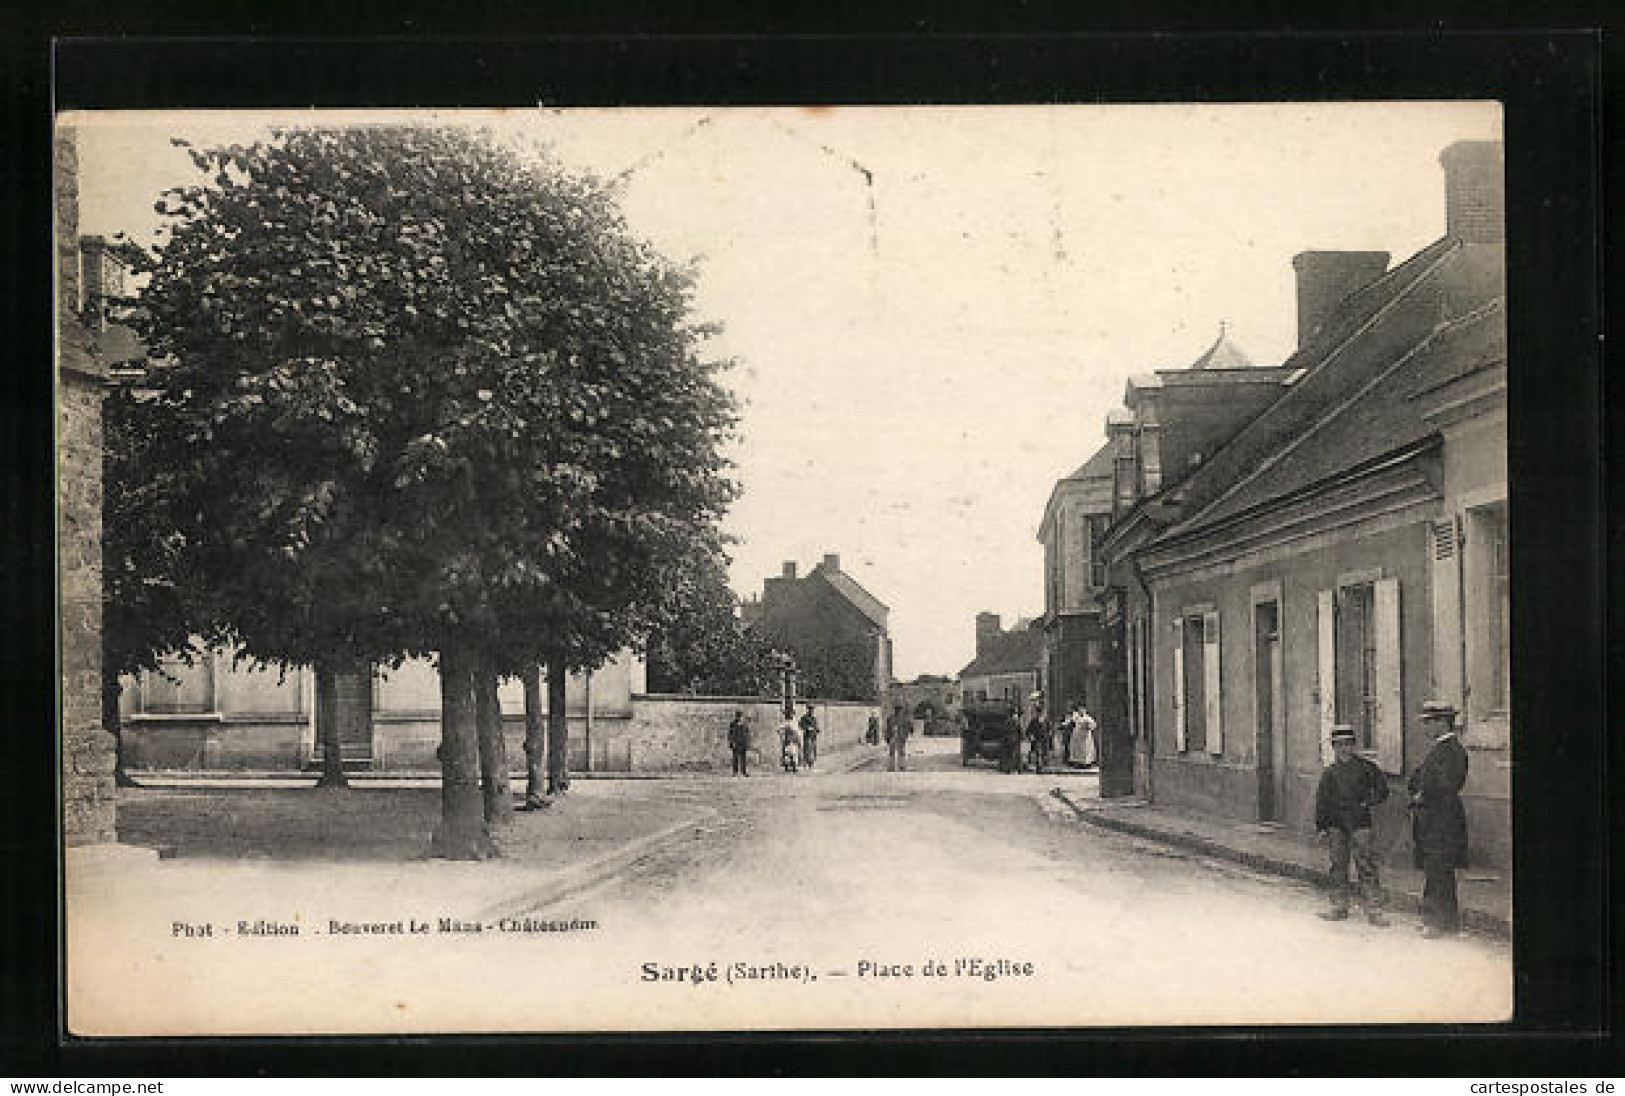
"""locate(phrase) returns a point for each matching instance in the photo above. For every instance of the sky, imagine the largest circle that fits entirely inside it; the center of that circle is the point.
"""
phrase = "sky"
(932, 309)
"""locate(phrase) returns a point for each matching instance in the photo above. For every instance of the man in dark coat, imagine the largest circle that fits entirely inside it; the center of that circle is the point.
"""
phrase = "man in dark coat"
(1349, 787)
(1038, 740)
(1438, 820)
(809, 737)
(898, 728)
(739, 743)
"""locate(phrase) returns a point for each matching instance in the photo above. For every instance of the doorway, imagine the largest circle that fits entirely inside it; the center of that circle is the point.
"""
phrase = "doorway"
(1267, 706)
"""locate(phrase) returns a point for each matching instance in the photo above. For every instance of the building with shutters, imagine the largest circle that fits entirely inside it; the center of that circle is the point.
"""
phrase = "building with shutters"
(1343, 555)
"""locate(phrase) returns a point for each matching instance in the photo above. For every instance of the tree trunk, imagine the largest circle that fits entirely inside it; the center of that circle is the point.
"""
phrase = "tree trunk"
(535, 740)
(498, 794)
(558, 730)
(462, 833)
(113, 725)
(327, 727)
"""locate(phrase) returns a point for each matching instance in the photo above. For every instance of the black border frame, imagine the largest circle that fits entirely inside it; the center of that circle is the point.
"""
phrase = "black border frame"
(1550, 82)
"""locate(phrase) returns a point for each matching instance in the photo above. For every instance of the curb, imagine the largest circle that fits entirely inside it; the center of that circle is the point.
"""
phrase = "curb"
(579, 877)
(1474, 920)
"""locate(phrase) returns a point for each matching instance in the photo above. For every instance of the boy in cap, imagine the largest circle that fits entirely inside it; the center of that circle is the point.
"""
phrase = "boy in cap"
(1438, 820)
(1349, 787)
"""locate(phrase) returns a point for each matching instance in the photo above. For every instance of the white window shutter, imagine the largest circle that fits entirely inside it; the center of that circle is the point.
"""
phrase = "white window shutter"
(1447, 616)
(1179, 685)
(1390, 698)
(1211, 683)
(1327, 684)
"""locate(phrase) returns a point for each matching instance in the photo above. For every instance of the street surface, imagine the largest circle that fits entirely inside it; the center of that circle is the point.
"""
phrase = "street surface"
(937, 897)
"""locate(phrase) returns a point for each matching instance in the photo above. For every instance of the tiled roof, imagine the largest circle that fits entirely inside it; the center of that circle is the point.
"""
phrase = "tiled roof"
(861, 599)
(1019, 650)
(1353, 408)
(1096, 467)
(1348, 350)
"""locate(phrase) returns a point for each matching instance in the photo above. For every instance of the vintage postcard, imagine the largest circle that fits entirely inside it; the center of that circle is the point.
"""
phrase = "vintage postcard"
(766, 569)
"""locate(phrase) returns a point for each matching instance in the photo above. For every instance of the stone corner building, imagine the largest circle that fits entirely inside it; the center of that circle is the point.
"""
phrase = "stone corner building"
(87, 750)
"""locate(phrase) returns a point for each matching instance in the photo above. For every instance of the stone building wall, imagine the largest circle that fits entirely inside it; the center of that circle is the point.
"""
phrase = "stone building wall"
(87, 749)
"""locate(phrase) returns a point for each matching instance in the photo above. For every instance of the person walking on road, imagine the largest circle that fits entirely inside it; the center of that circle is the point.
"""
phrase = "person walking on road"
(809, 737)
(739, 743)
(1349, 787)
(898, 728)
(1038, 741)
(872, 734)
(1068, 725)
(1438, 820)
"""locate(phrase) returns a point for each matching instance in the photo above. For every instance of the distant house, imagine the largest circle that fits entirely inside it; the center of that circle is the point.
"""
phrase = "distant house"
(927, 697)
(1007, 665)
(835, 629)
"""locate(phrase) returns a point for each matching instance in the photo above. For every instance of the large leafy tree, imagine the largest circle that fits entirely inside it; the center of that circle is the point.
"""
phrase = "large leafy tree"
(419, 396)
(704, 647)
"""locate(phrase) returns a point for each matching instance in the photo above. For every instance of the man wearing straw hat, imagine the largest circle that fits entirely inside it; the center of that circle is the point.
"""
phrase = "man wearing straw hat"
(1349, 787)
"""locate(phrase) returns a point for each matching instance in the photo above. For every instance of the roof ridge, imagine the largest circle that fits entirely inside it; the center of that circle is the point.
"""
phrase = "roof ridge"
(1315, 424)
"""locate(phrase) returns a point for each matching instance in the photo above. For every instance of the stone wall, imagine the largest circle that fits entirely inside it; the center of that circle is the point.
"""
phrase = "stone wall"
(689, 733)
(87, 749)
(659, 734)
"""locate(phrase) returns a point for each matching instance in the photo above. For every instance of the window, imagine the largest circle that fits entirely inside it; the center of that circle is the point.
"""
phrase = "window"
(1198, 713)
(1057, 569)
(1356, 689)
(1123, 477)
(1097, 563)
(1360, 667)
(1488, 611)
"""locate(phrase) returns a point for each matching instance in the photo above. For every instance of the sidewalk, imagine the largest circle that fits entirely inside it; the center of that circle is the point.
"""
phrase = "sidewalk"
(370, 844)
(1485, 894)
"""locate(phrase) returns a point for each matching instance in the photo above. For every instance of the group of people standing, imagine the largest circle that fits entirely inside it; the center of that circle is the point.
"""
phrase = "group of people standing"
(1351, 785)
(803, 745)
(1077, 727)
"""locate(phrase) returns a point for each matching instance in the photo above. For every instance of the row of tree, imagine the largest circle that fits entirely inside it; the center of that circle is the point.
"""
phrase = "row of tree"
(409, 394)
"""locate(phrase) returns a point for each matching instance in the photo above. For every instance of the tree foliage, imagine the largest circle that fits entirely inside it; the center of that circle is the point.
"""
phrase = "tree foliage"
(420, 396)
(703, 647)
(836, 669)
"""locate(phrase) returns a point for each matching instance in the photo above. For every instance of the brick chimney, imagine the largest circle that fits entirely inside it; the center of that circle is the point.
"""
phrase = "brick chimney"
(1325, 278)
(832, 562)
(1475, 191)
(987, 628)
(789, 572)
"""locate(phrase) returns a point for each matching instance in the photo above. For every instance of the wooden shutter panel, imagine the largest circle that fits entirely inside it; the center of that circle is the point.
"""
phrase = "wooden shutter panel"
(1390, 730)
(1179, 685)
(1211, 683)
(1327, 684)
(1447, 616)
